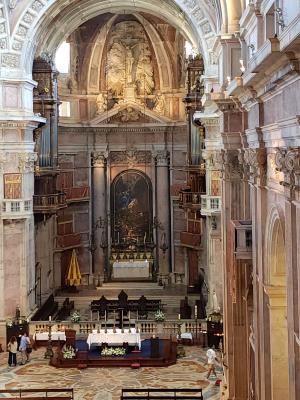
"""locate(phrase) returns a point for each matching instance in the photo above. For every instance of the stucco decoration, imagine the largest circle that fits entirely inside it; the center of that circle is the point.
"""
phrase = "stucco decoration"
(129, 64)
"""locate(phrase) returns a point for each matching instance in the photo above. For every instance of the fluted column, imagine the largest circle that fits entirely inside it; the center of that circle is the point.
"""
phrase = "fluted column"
(99, 207)
(163, 210)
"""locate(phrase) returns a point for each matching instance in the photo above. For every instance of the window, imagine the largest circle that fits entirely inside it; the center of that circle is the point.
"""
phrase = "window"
(62, 58)
(65, 109)
(15, 206)
(27, 205)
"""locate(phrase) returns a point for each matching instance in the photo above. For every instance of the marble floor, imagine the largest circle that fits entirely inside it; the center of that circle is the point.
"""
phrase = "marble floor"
(106, 383)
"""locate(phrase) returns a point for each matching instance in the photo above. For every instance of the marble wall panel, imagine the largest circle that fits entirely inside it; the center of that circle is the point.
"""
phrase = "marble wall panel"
(13, 258)
(11, 97)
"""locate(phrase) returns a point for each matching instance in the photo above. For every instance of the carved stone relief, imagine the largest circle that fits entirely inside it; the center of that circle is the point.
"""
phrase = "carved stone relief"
(130, 157)
(288, 162)
(129, 63)
(26, 162)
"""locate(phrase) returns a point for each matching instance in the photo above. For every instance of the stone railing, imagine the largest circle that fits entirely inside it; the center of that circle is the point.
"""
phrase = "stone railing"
(145, 327)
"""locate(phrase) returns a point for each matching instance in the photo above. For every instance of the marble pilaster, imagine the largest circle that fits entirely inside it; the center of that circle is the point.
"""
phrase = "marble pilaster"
(163, 210)
(99, 211)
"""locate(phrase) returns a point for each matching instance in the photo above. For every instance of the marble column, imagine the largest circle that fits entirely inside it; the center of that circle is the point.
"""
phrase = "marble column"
(163, 210)
(99, 213)
(17, 158)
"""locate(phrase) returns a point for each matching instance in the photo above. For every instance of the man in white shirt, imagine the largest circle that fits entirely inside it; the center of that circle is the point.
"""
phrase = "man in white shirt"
(211, 360)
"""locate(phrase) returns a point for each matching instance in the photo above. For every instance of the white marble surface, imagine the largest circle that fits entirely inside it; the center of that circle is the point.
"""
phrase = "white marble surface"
(131, 269)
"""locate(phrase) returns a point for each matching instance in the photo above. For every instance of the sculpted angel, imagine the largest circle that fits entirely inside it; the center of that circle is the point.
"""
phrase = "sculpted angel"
(116, 69)
(144, 75)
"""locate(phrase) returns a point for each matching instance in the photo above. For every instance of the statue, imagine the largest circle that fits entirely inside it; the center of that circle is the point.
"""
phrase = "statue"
(203, 301)
(101, 102)
(215, 303)
(129, 59)
(160, 105)
(144, 74)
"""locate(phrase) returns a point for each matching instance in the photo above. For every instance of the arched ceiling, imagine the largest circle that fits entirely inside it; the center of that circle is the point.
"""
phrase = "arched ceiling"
(28, 27)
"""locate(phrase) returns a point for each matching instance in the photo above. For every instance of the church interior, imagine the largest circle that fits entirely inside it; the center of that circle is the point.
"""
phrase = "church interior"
(150, 199)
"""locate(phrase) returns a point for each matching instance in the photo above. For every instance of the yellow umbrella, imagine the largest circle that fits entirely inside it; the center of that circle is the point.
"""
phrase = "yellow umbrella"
(74, 275)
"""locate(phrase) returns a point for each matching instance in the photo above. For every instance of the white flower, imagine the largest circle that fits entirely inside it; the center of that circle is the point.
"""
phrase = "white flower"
(113, 351)
(75, 317)
(69, 352)
(159, 316)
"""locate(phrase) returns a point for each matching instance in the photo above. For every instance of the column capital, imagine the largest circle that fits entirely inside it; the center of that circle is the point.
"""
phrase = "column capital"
(288, 162)
(99, 158)
(254, 163)
(162, 158)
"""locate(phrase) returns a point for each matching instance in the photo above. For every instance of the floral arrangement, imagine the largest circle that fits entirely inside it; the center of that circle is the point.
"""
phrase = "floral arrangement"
(75, 316)
(69, 352)
(113, 351)
(159, 316)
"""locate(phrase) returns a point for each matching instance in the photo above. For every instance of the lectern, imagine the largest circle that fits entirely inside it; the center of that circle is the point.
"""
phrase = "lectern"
(154, 347)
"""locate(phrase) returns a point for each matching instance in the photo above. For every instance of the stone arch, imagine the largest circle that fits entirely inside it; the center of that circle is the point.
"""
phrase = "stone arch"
(276, 290)
(163, 61)
(275, 249)
(36, 24)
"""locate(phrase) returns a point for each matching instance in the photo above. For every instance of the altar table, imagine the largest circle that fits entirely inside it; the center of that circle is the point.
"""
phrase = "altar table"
(115, 339)
(44, 336)
(131, 269)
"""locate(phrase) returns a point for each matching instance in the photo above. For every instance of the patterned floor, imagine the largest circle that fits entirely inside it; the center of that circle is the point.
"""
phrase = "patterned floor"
(106, 383)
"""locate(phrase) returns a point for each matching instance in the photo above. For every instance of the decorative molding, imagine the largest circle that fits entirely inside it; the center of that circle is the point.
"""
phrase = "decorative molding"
(255, 165)
(99, 158)
(10, 60)
(288, 162)
(26, 162)
(162, 158)
(131, 157)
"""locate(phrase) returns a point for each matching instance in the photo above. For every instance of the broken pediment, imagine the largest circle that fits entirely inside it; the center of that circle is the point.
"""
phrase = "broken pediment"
(129, 113)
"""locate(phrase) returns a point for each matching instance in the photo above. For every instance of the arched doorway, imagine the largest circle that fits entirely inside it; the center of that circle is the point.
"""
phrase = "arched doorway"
(276, 290)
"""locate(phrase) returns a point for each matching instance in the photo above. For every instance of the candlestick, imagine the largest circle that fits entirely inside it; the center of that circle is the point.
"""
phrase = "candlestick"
(179, 316)
(196, 313)
(118, 237)
(129, 316)
(122, 321)
(50, 318)
(145, 236)
(105, 315)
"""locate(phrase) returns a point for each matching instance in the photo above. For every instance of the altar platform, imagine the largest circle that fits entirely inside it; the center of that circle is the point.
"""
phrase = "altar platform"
(91, 358)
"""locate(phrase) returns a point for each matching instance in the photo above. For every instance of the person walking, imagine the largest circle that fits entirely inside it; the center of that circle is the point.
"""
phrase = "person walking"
(12, 351)
(211, 360)
(24, 343)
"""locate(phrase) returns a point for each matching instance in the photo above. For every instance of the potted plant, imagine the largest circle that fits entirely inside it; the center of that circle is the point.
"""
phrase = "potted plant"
(68, 353)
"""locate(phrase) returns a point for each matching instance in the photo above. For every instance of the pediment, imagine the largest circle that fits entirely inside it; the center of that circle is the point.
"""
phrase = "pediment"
(129, 113)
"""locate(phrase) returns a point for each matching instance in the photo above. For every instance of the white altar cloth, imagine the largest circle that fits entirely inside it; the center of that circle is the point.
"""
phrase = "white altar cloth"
(115, 339)
(131, 269)
(54, 336)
